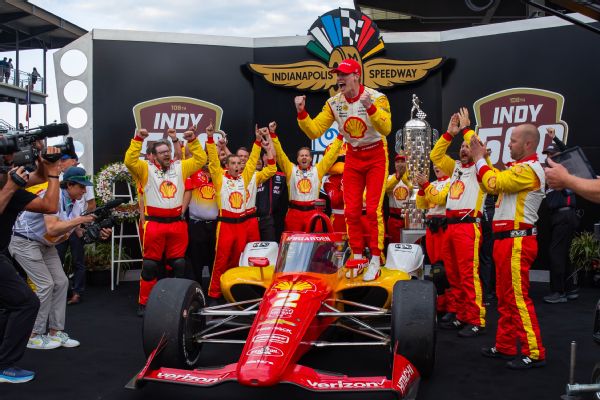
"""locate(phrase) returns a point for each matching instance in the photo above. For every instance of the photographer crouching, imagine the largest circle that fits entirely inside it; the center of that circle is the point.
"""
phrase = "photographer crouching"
(33, 245)
(20, 305)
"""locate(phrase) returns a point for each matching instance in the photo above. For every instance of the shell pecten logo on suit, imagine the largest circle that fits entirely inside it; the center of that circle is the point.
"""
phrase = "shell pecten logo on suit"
(339, 34)
(304, 185)
(401, 193)
(356, 127)
(236, 200)
(456, 190)
(167, 189)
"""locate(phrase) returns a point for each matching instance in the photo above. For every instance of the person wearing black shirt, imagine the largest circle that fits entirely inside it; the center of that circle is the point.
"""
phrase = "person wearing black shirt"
(564, 220)
(271, 205)
(18, 303)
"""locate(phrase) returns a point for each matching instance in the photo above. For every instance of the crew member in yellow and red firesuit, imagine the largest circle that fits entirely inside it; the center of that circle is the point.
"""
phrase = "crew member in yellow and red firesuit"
(398, 189)
(364, 119)
(163, 184)
(520, 190)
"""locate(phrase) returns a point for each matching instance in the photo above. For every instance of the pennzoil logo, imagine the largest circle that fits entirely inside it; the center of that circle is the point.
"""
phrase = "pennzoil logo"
(299, 286)
(499, 113)
(337, 35)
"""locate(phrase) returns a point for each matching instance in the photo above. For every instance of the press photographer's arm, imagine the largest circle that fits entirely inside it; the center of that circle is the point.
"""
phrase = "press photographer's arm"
(18, 178)
(559, 178)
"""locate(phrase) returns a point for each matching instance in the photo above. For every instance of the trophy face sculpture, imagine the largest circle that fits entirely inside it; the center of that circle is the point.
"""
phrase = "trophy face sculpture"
(417, 137)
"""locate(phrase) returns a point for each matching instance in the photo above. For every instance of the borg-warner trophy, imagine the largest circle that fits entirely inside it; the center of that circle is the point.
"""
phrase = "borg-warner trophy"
(417, 138)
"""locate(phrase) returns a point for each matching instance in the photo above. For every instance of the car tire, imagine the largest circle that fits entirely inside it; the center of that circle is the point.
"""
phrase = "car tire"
(596, 379)
(172, 311)
(413, 323)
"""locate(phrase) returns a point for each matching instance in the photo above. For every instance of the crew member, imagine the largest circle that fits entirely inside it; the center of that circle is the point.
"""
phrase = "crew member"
(231, 187)
(521, 190)
(398, 189)
(271, 204)
(163, 184)
(304, 182)
(364, 119)
(432, 197)
(463, 212)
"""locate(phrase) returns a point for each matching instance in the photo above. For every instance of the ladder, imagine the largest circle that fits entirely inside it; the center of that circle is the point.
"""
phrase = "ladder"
(115, 262)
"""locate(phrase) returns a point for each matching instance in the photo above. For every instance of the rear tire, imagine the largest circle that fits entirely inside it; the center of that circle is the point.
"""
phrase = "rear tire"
(171, 311)
(413, 323)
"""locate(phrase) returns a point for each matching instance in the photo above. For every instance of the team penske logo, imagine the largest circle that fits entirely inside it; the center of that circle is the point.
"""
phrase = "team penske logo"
(400, 193)
(167, 189)
(299, 286)
(355, 127)
(456, 190)
(304, 185)
(236, 200)
(339, 34)
(265, 351)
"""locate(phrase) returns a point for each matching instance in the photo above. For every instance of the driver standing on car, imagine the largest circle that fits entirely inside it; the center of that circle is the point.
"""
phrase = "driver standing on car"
(364, 119)
(163, 185)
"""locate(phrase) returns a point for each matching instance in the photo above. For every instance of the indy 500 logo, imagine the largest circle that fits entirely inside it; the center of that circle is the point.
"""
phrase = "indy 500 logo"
(499, 113)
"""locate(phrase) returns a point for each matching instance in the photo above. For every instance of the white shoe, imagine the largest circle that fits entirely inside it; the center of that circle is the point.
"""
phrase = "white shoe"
(42, 342)
(373, 272)
(64, 340)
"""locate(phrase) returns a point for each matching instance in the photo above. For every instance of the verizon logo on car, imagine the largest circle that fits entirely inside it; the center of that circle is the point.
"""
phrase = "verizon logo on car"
(186, 378)
(345, 385)
(265, 351)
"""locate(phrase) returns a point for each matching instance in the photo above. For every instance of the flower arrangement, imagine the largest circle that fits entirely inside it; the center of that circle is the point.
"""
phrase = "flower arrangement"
(114, 173)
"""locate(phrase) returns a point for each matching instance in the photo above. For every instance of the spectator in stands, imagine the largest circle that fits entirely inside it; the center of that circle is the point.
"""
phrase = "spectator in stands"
(9, 67)
(3, 67)
(34, 77)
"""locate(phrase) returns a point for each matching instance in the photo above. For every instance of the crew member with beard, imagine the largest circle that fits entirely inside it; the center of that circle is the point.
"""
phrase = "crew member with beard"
(520, 189)
(163, 185)
(398, 189)
(304, 182)
(231, 187)
(364, 119)
(463, 236)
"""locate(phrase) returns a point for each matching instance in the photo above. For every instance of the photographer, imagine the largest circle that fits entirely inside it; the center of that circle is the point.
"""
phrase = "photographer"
(33, 245)
(16, 298)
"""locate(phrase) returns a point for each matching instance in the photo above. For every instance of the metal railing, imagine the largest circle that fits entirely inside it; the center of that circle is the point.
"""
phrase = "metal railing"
(22, 79)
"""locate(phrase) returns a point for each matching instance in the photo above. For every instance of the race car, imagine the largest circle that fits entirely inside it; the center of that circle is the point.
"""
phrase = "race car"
(288, 308)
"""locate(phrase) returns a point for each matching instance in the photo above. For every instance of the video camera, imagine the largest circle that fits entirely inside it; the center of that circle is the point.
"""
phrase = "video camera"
(104, 219)
(22, 145)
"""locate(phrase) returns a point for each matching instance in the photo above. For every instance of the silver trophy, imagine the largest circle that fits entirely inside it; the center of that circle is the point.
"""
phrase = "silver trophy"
(417, 138)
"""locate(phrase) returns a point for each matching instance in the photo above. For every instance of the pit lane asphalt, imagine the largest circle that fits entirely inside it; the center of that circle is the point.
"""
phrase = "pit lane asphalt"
(111, 353)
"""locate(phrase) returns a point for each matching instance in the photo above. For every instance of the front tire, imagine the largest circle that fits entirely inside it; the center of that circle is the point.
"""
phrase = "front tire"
(172, 311)
(413, 323)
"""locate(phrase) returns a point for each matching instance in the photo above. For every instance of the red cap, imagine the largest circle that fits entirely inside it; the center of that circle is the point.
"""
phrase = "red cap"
(400, 156)
(347, 66)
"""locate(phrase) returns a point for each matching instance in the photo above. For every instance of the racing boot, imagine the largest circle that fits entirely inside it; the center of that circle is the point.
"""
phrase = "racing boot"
(373, 270)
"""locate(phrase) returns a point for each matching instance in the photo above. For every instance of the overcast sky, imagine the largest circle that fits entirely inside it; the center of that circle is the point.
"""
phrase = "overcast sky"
(246, 18)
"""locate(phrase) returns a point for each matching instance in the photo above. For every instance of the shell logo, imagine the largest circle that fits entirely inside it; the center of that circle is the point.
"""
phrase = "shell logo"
(304, 185)
(434, 191)
(517, 169)
(207, 192)
(401, 193)
(298, 286)
(167, 189)
(456, 190)
(491, 182)
(355, 127)
(247, 196)
(236, 200)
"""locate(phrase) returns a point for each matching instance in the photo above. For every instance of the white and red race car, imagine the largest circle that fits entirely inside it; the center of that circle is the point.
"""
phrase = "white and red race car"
(303, 295)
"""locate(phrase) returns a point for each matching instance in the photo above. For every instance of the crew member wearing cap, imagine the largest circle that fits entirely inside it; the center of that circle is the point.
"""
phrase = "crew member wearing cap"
(163, 185)
(231, 188)
(398, 189)
(33, 245)
(564, 222)
(463, 237)
(520, 190)
(304, 181)
(364, 119)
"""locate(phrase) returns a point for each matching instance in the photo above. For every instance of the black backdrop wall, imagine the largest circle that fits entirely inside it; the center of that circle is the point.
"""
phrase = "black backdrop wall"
(560, 59)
